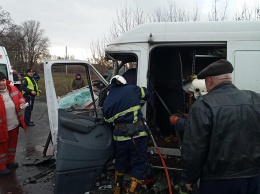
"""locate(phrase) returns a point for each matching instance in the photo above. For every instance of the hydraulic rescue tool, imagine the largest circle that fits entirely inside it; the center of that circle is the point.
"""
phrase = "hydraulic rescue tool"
(159, 153)
(194, 185)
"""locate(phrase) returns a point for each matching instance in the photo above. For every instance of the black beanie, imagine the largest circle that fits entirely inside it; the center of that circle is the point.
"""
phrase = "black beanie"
(2, 76)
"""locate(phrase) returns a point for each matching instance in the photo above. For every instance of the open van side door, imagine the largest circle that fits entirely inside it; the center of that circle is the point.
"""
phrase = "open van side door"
(82, 143)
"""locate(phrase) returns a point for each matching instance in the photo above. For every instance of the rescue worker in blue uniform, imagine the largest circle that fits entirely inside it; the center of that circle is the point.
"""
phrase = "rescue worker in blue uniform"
(122, 109)
(196, 90)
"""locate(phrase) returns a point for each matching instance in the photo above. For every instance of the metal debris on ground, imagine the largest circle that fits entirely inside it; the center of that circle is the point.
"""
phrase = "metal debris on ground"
(34, 179)
(41, 161)
(50, 161)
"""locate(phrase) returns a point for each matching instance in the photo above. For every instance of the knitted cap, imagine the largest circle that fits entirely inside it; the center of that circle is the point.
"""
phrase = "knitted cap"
(2, 76)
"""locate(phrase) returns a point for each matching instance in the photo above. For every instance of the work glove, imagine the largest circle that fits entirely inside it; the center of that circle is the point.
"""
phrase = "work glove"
(181, 114)
(174, 119)
(23, 106)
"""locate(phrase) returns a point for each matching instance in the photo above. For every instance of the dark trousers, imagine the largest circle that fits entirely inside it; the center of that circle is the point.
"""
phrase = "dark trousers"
(231, 186)
(126, 153)
(28, 110)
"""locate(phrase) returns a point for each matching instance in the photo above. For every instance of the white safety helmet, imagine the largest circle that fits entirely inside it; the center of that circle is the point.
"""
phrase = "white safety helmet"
(198, 87)
(118, 78)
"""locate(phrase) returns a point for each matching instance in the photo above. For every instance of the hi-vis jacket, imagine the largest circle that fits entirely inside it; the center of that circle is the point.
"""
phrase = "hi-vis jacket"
(29, 84)
(123, 105)
(18, 99)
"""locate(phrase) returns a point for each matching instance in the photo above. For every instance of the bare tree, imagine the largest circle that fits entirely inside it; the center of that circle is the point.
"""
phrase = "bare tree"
(173, 13)
(126, 19)
(214, 14)
(6, 22)
(35, 46)
(98, 55)
(14, 45)
(195, 16)
(158, 15)
(26, 44)
(248, 12)
(11, 38)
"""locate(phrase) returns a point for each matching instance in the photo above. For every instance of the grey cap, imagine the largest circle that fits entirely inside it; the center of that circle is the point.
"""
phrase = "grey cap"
(219, 67)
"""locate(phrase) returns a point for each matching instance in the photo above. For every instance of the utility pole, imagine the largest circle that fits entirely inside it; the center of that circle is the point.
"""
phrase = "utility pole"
(66, 52)
(66, 59)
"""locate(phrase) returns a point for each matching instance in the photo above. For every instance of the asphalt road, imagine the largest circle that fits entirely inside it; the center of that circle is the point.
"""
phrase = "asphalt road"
(26, 179)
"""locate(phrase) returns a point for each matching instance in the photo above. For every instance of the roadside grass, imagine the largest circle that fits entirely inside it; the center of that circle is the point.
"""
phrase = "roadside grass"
(62, 83)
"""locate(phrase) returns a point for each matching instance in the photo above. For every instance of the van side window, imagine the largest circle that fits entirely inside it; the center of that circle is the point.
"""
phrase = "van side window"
(3, 69)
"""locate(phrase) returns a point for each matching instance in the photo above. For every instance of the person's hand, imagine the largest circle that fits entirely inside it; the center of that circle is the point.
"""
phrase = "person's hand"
(181, 114)
(24, 105)
(185, 115)
(174, 119)
(33, 92)
(188, 186)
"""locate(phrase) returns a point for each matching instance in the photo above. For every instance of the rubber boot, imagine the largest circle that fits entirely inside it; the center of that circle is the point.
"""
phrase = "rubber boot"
(135, 186)
(119, 178)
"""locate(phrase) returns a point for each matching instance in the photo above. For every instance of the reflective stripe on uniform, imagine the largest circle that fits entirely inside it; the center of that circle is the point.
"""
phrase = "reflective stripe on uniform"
(14, 93)
(2, 155)
(1, 120)
(124, 138)
(142, 92)
(11, 151)
(142, 95)
(133, 109)
(3, 160)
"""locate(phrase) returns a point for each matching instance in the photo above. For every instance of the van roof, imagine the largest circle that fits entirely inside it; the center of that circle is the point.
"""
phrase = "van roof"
(192, 31)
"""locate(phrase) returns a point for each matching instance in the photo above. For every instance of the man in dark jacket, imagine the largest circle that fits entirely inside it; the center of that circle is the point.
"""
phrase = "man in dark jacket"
(221, 144)
(78, 82)
(122, 109)
(36, 76)
(30, 90)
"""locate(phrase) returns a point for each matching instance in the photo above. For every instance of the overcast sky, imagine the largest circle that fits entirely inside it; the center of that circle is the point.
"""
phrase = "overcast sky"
(76, 23)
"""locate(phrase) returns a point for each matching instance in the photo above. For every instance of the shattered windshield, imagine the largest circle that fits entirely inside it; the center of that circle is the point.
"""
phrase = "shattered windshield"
(73, 88)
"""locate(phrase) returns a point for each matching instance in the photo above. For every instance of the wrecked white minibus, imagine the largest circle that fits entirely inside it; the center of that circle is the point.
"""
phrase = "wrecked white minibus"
(165, 56)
